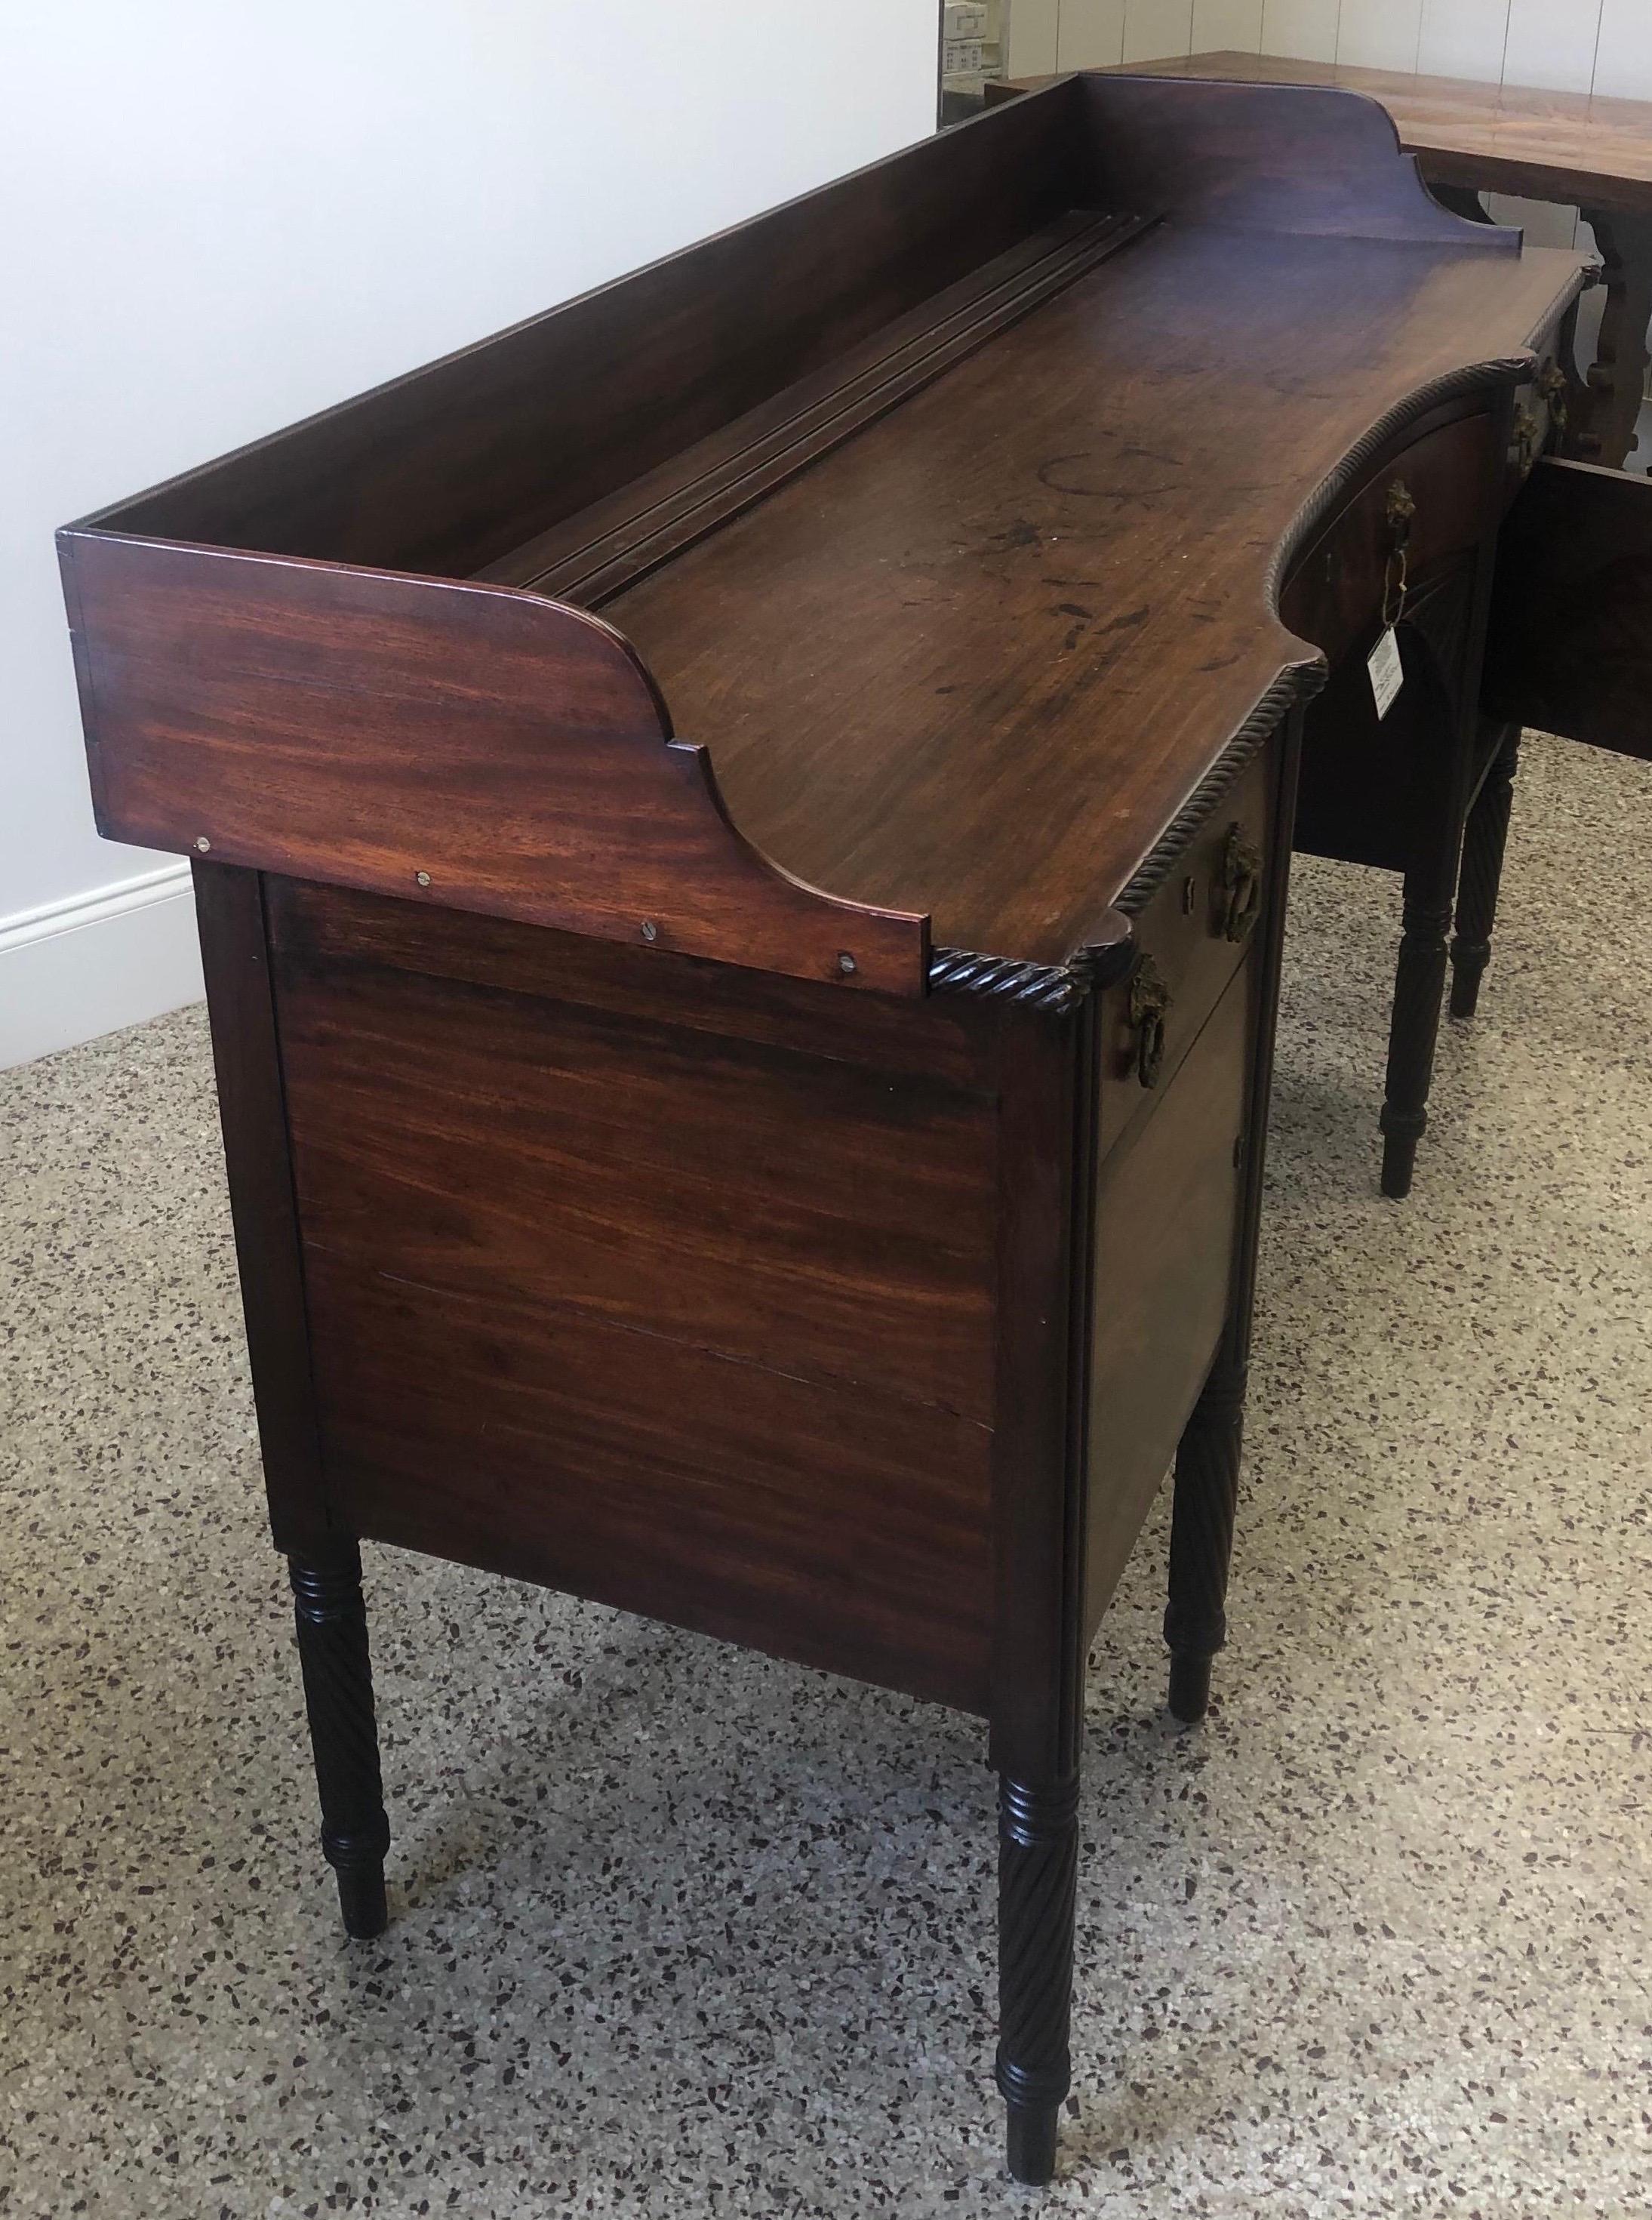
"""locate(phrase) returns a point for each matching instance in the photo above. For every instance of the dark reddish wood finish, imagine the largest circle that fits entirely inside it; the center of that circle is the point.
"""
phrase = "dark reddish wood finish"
(1023, 572)
(1471, 137)
(617, 1211)
(1281, 160)
(494, 750)
(697, 1326)
(445, 470)
(258, 1152)
(1168, 1199)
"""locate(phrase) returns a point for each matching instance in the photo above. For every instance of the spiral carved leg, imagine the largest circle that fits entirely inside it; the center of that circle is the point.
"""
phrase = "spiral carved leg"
(1038, 1873)
(1201, 1536)
(1419, 983)
(338, 1698)
(1484, 842)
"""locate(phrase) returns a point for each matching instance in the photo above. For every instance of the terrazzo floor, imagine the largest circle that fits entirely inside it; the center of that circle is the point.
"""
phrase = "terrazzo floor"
(676, 1931)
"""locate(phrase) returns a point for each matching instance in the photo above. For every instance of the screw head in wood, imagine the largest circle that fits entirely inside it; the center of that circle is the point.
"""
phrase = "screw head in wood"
(203, 843)
(422, 878)
(846, 964)
(651, 931)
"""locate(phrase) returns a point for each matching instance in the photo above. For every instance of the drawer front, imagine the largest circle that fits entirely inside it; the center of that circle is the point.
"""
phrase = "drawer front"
(1190, 939)
(1570, 649)
(1433, 495)
(1166, 1222)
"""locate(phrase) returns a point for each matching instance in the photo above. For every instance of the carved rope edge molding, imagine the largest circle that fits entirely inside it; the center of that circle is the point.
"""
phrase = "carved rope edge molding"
(1498, 370)
(1058, 988)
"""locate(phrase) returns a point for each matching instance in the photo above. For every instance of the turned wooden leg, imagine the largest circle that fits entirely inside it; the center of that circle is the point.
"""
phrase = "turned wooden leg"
(338, 1698)
(1201, 1535)
(1481, 875)
(1038, 1873)
(1616, 385)
(1419, 984)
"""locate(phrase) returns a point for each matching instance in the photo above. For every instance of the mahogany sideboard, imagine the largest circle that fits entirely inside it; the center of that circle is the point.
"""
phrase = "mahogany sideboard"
(741, 832)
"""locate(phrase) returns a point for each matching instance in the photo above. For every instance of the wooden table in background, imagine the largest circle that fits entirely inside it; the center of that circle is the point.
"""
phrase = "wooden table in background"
(1472, 138)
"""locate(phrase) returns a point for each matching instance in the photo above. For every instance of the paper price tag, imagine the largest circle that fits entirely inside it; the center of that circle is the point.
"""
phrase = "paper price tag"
(1388, 672)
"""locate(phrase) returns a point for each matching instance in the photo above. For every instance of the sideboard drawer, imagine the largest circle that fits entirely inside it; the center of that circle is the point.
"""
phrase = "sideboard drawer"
(1190, 938)
(1433, 495)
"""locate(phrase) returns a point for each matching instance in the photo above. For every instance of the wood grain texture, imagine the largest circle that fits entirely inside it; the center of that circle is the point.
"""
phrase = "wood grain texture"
(1307, 160)
(968, 666)
(496, 751)
(831, 1527)
(1043, 588)
(317, 925)
(1449, 473)
(778, 1207)
(445, 469)
(1573, 147)
(699, 1324)
(1167, 1219)
(590, 557)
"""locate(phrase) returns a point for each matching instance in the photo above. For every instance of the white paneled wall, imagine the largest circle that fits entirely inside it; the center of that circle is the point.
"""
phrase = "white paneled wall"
(1092, 34)
(1149, 24)
(1570, 45)
(1622, 55)
(1306, 28)
(1383, 35)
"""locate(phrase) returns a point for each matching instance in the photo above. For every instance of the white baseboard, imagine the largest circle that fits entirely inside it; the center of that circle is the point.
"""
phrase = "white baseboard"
(70, 970)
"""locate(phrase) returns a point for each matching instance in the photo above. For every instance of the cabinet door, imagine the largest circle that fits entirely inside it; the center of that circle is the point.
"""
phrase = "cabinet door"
(1570, 645)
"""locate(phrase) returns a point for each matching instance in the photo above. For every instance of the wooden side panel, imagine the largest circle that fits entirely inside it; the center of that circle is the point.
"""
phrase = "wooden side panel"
(447, 468)
(1570, 645)
(698, 1325)
(839, 1530)
(1297, 158)
(481, 748)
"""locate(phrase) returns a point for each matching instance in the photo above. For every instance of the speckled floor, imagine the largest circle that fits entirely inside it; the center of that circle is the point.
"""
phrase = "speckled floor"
(678, 1931)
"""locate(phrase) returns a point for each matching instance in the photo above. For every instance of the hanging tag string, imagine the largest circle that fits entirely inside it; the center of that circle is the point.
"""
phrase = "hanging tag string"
(1394, 590)
(1401, 508)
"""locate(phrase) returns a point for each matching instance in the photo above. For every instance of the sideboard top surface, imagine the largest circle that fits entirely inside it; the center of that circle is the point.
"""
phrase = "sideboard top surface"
(971, 661)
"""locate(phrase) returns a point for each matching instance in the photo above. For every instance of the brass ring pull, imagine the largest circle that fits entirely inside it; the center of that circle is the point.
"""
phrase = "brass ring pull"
(1149, 1005)
(1553, 387)
(1241, 884)
(1528, 435)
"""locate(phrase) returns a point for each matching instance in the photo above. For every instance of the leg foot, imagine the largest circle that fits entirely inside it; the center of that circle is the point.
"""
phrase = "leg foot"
(1201, 1535)
(1419, 983)
(332, 1623)
(1189, 1688)
(361, 1900)
(1484, 842)
(1037, 1874)
(1031, 2144)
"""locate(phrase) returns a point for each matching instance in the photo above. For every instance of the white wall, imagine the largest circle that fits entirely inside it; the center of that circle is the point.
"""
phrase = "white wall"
(218, 216)
(1572, 46)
